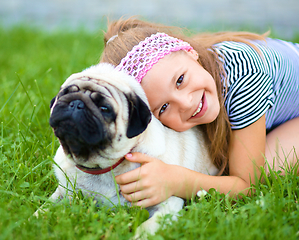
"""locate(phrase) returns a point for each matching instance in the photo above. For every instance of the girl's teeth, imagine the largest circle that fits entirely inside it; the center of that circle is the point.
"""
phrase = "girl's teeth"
(198, 109)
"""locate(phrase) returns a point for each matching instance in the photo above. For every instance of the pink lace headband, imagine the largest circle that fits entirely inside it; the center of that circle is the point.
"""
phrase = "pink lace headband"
(148, 52)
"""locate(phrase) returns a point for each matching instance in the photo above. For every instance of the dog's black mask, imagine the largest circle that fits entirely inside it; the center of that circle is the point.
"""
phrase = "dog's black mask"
(81, 122)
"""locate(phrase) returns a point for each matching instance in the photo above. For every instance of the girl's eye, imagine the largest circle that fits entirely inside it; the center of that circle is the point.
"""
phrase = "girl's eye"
(163, 108)
(180, 80)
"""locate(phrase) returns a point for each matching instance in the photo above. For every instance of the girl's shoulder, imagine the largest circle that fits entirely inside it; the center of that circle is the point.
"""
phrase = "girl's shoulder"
(232, 46)
(240, 59)
(267, 57)
(257, 50)
(255, 75)
(247, 78)
(242, 46)
(229, 48)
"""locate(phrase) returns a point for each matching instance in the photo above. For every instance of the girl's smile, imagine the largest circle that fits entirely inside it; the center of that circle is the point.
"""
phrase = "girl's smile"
(202, 108)
(181, 93)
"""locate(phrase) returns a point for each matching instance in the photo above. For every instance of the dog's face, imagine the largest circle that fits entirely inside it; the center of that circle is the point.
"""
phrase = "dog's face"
(96, 116)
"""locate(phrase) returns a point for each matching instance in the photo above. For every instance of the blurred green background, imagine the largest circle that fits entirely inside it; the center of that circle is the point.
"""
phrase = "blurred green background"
(279, 16)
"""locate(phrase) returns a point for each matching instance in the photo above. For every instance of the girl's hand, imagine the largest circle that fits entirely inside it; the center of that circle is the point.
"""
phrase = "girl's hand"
(147, 185)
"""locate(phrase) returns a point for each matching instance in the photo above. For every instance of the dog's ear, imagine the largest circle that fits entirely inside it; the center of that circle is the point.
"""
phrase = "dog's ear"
(52, 102)
(139, 116)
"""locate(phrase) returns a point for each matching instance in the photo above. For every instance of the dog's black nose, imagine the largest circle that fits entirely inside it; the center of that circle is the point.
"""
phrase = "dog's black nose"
(76, 105)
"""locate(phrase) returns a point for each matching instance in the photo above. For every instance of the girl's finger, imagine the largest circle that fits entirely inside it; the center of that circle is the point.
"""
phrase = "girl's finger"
(131, 187)
(147, 202)
(142, 199)
(135, 197)
(134, 175)
(138, 157)
(128, 177)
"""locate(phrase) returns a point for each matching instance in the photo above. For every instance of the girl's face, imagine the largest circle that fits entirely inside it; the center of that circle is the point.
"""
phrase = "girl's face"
(181, 93)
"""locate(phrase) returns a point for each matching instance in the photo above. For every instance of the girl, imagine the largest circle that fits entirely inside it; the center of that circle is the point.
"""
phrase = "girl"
(242, 88)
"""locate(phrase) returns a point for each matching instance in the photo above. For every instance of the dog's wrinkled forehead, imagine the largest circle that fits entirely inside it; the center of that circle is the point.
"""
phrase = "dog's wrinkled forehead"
(85, 85)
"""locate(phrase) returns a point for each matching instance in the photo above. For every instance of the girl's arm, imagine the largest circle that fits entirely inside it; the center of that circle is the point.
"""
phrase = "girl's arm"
(155, 181)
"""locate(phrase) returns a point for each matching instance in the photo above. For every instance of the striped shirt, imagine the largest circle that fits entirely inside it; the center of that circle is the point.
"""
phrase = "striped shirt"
(260, 83)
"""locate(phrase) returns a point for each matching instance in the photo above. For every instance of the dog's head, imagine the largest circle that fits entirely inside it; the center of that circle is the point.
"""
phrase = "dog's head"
(99, 113)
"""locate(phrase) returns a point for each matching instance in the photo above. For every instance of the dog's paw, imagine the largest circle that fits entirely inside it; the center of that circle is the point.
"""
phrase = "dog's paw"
(149, 227)
(39, 211)
(141, 233)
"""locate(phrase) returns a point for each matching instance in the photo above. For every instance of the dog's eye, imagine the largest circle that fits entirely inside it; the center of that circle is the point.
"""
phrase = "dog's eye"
(100, 102)
(107, 112)
(105, 109)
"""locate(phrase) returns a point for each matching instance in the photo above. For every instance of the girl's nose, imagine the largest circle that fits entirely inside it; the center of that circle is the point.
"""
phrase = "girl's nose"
(184, 107)
(184, 103)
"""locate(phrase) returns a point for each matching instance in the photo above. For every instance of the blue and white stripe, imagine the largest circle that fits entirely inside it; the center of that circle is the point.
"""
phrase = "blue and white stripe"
(260, 82)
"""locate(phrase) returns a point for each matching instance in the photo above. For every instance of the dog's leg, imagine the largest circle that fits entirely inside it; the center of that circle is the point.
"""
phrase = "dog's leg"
(171, 206)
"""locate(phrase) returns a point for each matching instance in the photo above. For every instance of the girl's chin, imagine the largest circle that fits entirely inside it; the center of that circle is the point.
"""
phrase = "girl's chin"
(187, 127)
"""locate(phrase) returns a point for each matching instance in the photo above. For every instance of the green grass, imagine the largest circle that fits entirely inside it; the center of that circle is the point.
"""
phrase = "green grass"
(33, 66)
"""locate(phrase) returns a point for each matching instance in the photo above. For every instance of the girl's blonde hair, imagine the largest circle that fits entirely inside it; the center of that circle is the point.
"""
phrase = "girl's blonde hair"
(126, 33)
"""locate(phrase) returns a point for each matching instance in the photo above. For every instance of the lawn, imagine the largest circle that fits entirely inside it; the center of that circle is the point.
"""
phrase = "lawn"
(33, 66)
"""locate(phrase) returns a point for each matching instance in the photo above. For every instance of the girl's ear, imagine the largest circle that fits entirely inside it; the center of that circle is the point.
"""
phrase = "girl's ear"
(192, 53)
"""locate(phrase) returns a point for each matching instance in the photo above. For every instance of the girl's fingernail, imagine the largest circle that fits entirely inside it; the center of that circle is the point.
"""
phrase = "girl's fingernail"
(129, 155)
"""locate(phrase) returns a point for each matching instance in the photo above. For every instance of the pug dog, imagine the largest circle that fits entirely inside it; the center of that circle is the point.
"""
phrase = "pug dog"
(100, 115)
